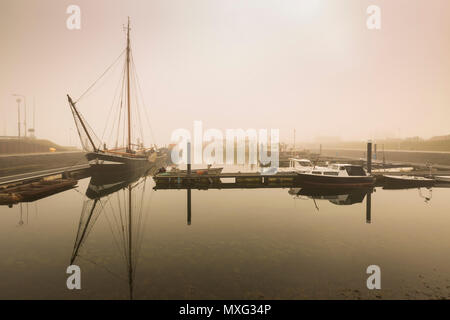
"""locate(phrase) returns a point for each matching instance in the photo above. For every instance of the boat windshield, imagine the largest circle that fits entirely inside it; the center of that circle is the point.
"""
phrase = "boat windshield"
(355, 171)
(304, 163)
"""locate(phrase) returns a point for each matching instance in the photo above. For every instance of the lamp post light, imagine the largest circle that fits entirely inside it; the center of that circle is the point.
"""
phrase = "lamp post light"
(25, 112)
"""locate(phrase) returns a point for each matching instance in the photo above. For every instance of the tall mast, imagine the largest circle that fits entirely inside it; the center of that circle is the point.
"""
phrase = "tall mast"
(128, 87)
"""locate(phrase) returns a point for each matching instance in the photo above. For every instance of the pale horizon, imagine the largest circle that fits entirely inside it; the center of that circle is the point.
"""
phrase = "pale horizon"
(312, 66)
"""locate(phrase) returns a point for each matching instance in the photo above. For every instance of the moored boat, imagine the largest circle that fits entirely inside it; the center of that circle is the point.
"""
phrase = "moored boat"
(442, 178)
(300, 165)
(336, 176)
(407, 181)
(132, 154)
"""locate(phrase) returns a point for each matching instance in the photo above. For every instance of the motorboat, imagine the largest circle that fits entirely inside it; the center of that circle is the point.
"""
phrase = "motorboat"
(336, 176)
(300, 165)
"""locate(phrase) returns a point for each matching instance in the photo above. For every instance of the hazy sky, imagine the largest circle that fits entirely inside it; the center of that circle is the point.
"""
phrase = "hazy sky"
(311, 65)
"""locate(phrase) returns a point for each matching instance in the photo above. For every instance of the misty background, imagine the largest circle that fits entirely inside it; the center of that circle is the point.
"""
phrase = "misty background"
(310, 65)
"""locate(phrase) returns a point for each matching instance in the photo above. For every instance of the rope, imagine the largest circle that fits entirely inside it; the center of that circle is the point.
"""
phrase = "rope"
(142, 97)
(111, 108)
(95, 82)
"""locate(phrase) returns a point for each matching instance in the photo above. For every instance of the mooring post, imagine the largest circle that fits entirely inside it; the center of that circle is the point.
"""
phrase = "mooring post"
(369, 157)
(189, 158)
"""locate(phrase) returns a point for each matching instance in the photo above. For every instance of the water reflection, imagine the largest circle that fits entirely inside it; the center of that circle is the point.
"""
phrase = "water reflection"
(340, 197)
(120, 197)
(335, 196)
(189, 209)
(227, 253)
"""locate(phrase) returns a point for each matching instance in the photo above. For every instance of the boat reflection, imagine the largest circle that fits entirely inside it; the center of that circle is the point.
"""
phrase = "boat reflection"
(340, 197)
(335, 196)
(120, 198)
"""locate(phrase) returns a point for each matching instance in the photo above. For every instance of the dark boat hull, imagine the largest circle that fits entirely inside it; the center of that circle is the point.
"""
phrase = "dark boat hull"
(112, 160)
(394, 183)
(106, 182)
(322, 181)
(104, 161)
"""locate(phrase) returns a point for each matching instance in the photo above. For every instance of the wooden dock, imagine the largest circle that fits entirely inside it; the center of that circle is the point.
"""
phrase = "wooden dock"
(254, 180)
(225, 180)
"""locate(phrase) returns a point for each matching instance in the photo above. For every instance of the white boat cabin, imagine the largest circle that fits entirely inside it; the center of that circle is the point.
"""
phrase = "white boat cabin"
(335, 169)
(301, 165)
(340, 170)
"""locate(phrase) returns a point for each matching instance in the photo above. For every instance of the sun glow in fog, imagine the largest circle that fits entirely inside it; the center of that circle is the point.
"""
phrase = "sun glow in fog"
(304, 9)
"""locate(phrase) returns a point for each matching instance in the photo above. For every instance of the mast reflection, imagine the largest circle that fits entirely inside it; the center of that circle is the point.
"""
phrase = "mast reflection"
(119, 196)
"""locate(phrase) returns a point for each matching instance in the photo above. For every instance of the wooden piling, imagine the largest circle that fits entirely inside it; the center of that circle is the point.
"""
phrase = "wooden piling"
(369, 157)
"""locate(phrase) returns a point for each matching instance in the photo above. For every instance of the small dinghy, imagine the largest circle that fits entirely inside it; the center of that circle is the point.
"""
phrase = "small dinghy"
(407, 181)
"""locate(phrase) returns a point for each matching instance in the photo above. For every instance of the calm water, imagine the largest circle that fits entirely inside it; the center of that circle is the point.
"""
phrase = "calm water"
(240, 244)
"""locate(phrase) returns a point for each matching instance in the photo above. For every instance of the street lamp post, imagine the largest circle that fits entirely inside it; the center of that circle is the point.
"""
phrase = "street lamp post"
(25, 111)
(18, 115)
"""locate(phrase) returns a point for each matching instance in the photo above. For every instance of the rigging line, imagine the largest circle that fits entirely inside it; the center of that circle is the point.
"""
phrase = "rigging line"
(117, 115)
(137, 108)
(140, 215)
(113, 232)
(146, 215)
(76, 189)
(124, 127)
(88, 225)
(102, 266)
(121, 228)
(103, 74)
(96, 213)
(127, 226)
(91, 132)
(83, 213)
(138, 223)
(120, 110)
(142, 97)
(111, 108)
(141, 223)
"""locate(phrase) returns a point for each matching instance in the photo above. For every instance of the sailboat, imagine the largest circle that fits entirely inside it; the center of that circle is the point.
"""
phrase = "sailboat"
(132, 155)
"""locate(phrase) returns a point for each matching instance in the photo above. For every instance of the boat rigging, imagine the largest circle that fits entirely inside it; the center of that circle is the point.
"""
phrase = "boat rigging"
(132, 153)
